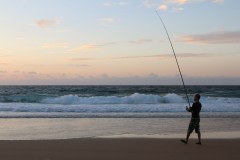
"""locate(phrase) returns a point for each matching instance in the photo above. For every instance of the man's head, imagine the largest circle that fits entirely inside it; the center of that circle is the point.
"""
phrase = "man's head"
(197, 97)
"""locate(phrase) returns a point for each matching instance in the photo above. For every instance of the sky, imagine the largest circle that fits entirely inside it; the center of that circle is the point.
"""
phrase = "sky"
(119, 42)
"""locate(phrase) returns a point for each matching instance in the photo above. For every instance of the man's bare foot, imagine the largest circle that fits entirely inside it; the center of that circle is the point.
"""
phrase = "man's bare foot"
(183, 141)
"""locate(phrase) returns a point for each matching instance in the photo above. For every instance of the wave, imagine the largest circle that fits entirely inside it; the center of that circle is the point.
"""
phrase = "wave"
(135, 105)
(114, 108)
(88, 108)
(135, 98)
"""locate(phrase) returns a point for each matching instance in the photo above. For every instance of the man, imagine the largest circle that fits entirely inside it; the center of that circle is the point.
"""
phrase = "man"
(195, 120)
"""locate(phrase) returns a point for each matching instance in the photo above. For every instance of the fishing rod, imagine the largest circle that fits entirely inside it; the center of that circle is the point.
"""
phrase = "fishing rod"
(179, 69)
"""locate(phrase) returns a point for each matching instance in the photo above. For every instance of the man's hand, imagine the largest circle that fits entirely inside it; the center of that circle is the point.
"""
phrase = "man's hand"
(187, 109)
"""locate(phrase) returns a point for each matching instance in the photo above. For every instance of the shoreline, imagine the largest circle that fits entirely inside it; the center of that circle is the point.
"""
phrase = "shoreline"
(119, 149)
(205, 135)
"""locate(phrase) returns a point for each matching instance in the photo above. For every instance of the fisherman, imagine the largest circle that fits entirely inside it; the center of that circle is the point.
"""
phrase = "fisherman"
(195, 120)
(196, 107)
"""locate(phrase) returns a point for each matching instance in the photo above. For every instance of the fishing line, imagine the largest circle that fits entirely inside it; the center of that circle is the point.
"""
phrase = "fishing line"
(179, 69)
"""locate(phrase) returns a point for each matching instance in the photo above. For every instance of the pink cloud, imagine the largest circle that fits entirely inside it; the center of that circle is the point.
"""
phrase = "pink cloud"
(179, 2)
(163, 7)
(213, 38)
(43, 23)
(55, 45)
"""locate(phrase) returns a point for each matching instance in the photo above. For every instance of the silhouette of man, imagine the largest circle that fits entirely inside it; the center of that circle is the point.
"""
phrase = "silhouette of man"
(195, 120)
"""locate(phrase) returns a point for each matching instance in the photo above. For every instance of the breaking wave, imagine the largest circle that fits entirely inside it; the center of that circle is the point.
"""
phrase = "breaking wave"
(135, 98)
(135, 105)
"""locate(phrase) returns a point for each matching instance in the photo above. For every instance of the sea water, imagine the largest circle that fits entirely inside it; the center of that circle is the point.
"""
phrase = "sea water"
(52, 112)
(114, 101)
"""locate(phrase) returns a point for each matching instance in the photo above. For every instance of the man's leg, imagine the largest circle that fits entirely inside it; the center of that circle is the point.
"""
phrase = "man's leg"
(199, 137)
(190, 130)
(187, 137)
(197, 130)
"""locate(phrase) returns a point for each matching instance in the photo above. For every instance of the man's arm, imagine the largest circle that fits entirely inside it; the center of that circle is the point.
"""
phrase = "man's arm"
(189, 109)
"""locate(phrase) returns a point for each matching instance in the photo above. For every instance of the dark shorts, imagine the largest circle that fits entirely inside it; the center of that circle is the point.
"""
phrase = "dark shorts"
(194, 125)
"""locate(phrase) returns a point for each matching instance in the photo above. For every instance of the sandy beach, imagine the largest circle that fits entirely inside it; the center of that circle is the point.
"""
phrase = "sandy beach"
(119, 149)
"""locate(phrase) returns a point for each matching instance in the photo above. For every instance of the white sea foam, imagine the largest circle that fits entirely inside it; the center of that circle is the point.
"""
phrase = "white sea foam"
(135, 105)
(135, 98)
(116, 108)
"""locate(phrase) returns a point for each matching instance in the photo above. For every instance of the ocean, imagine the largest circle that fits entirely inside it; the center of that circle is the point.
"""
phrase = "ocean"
(115, 101)
(65, 112)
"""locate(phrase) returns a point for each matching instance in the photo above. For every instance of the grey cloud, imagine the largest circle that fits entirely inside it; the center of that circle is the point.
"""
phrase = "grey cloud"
(81, 65)
(105, 79)
(81, 59)
(185, 55)
(213, 38)
(141, 41)
(110, 4)
(32, 73)
(106, 21)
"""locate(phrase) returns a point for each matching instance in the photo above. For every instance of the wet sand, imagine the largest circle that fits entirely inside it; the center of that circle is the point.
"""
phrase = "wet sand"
(119, 149)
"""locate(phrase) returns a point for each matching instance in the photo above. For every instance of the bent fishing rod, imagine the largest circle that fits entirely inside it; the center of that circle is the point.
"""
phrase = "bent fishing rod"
(179, 69)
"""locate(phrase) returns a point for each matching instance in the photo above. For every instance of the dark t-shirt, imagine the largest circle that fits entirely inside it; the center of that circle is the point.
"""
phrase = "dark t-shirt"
(195, 109)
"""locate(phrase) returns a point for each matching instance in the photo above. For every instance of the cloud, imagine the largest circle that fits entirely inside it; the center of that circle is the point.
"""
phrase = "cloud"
(182, 2)
(177, 9)
(105, 79)
(218, 1)
(44, 23)
(90, 47)
(141, 41)
(175, 5)
(32, 73)
(224, 37)
(78, 65)
(149, 4)
(61, 31)
(55, 45)
(159, 56)
(4, 64)
(106, 21)
(81, 65)
(179, 2)
(185, 55)
(172, 5)
(110, 4)
(122, 3)
(37, 78)
(81, 59)
(85, 47)
(105, 76)
(107, 4)
(163, 7)
(164, 4)
(5, 55)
